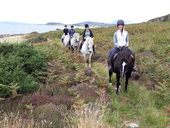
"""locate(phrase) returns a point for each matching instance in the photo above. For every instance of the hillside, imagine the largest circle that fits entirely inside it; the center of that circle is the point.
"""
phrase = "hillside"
(62, 92)
(81, 24)
(54, 23)
(165, 18)
(94, 24)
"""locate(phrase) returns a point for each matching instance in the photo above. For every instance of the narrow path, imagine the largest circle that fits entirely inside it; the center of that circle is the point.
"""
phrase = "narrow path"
(13, 39)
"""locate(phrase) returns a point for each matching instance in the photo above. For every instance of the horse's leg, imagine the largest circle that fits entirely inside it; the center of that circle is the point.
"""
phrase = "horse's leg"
(110, 77)
(118, 82)
(84, 56)
(72, 49)
(126, 82)
(90, 60)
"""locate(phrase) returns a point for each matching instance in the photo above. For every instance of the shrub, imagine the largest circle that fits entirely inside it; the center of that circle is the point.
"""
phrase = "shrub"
(20, 65)
(51, 114)
(5, 90)
(37, 39)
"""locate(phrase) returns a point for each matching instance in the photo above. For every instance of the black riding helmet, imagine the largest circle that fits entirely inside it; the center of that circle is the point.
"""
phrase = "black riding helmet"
(72, 26)
(120, 22)
(65, 25)
(86, 25)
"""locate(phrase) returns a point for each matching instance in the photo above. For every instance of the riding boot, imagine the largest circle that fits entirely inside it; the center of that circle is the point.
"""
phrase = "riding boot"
(94, 50)
(81, 44)
(69, 43)
(62, 40)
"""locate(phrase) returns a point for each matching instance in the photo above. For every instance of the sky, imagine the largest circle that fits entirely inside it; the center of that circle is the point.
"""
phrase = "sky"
(75, 11)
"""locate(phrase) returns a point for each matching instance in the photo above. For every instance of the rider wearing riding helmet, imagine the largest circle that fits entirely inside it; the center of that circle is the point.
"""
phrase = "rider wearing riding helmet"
(87, 32)
(71, 32)
(120, 39)
(65, 31)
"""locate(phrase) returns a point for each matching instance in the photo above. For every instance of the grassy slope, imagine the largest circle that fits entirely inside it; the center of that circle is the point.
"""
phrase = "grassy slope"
(147, 101)
(150, 42)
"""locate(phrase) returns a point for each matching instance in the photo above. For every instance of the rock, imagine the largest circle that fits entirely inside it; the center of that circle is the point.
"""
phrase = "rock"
(135, 75)
(130, 124)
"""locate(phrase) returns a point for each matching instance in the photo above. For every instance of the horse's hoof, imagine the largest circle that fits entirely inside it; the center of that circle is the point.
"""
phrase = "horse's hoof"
(110, 84)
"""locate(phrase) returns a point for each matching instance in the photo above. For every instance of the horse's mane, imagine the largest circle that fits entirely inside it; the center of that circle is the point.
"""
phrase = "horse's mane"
(76, 34)
(90, 40)
(125, 54)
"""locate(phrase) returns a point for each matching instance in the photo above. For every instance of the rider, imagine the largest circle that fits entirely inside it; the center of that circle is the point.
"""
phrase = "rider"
(71, 33)
(121, 38)
(65, 31)
(87, 32)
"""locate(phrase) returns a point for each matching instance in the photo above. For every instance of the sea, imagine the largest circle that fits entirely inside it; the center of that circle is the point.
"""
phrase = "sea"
(26, 28)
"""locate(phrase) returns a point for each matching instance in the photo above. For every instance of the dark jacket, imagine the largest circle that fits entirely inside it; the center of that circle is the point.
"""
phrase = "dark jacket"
(65, 30)
(71, 32)
(91, 34)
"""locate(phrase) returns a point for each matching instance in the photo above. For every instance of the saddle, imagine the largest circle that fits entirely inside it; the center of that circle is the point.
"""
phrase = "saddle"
(133, 58)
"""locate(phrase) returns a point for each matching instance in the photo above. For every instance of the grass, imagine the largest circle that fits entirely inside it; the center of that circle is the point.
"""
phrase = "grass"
(71, 95)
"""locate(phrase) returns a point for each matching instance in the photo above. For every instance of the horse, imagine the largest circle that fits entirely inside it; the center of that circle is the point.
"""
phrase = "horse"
(75, 42)
(87, 49)
(121, 64)
(66, 41)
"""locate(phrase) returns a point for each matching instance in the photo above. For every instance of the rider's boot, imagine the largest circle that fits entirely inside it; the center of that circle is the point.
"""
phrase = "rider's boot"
(69, 43)
(81, 44)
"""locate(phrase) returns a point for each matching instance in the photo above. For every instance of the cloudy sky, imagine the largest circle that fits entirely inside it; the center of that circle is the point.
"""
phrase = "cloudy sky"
(74, 11)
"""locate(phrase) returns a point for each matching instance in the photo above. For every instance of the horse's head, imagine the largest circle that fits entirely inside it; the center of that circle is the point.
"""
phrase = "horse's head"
(89, 41)
(125, 59)
(123, 69)
(77, 36)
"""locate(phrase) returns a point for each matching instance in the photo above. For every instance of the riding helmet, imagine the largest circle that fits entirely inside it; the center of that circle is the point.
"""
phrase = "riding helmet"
(72, 26)
(86, 25)
(65, 25)
(120, 22)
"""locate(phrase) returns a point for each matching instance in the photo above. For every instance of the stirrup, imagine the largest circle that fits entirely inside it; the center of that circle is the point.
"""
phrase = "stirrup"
(135, 69)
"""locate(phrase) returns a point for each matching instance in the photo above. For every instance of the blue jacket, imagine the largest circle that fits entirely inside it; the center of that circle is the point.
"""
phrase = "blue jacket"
(71, 32)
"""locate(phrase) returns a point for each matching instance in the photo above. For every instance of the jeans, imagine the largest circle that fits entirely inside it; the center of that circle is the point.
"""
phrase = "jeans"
(116, 50)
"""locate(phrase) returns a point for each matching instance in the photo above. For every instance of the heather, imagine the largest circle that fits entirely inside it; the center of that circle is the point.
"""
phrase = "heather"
(68, 94)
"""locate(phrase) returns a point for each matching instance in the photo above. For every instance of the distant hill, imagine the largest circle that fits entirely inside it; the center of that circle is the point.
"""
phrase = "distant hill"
(94, 24)
(165, 18)
(54, 23)
(126, 22)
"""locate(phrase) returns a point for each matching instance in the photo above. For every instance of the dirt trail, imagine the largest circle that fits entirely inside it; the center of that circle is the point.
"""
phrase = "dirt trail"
(13, 39)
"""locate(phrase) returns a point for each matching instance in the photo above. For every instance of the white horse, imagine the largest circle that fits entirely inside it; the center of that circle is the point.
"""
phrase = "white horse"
(75, 42)
(66, 41)
(87, 49)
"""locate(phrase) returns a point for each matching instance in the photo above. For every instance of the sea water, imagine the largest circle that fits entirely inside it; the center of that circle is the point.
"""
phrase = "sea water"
(26, 28)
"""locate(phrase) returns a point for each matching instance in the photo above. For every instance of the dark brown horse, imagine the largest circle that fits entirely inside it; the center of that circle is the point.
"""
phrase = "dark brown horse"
(121, 64)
